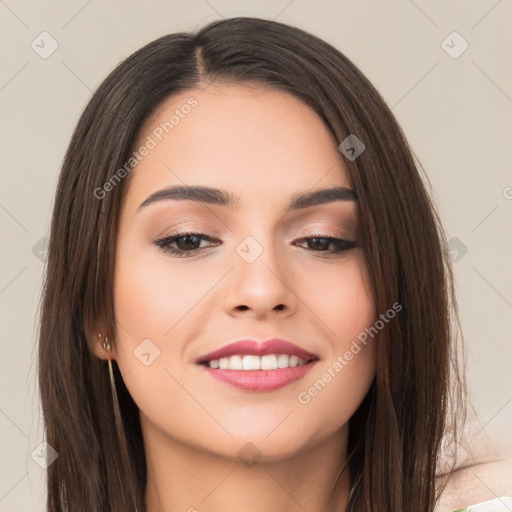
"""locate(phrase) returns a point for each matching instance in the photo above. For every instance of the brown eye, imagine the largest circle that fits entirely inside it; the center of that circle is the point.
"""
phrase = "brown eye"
(322, 243)
(185, 243)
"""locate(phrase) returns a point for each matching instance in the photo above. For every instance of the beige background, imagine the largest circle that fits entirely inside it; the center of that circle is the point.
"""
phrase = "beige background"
(455, 110)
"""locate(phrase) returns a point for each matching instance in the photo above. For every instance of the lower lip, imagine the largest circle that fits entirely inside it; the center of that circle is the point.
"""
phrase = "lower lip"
(260, 380)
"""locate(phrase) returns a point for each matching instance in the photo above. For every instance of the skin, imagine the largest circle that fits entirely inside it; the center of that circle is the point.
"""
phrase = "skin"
(476, 483)
(485, 474)
(269, 147)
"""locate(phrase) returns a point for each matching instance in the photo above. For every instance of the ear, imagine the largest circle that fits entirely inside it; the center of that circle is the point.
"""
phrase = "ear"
(99, 350)
(95, 341)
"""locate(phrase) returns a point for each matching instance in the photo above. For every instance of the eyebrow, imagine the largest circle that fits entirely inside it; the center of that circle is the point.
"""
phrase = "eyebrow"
(214, 196)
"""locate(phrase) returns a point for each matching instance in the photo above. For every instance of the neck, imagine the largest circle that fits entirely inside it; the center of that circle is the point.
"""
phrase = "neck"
(186, 478)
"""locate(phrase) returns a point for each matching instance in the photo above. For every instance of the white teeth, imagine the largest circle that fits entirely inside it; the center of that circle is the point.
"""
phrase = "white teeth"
(235, 363)
(283, 361)
(269, 362)
(251, 362)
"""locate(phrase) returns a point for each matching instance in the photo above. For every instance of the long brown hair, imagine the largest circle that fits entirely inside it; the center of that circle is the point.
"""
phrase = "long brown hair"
(395, 434)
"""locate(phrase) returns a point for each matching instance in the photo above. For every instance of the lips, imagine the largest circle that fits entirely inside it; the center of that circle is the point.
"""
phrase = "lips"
(238, 364)
(252, 347)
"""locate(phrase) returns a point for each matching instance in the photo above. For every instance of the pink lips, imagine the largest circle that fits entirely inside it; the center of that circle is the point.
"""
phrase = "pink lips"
(260, 380)
(252, 347)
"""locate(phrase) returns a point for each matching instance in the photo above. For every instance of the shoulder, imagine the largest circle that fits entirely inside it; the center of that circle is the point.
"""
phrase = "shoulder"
(477, 487)
(496, 505)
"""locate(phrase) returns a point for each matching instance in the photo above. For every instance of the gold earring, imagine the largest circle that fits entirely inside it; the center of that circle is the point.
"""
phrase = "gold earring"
(106, 343)
(117, 412)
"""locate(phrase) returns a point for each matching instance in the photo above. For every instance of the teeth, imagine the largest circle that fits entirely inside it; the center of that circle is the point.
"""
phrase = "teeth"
(251, 362)
(283, 361)
(235, 362)
(269, 362)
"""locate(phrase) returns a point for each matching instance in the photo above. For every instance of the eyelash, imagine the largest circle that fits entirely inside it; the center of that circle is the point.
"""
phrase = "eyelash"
(164, 243)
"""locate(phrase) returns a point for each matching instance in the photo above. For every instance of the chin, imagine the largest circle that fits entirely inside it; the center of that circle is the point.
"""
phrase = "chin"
(261, 443)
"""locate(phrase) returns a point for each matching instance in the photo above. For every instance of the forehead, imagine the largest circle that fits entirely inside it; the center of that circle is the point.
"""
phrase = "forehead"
(257, 141)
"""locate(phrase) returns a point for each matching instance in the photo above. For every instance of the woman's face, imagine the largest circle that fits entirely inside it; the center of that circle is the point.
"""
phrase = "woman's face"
(250, 275)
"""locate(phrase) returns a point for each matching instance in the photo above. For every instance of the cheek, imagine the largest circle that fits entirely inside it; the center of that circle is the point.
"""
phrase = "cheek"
(340, 297)
(343, 301)
(154, 306)
(154, 297)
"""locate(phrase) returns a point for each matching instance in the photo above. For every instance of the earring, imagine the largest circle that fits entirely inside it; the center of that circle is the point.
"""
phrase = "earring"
(106, 343)
(117, 412)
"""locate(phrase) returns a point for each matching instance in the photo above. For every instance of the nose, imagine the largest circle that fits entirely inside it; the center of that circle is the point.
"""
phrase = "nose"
(260, 289)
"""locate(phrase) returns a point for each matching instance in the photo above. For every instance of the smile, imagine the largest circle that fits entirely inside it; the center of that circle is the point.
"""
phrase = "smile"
(258, 366)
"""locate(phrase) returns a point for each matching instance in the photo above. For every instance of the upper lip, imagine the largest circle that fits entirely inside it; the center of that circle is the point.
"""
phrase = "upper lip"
(257, 348)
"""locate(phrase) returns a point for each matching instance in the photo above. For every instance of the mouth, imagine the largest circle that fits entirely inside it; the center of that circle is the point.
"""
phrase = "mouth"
(249, 365)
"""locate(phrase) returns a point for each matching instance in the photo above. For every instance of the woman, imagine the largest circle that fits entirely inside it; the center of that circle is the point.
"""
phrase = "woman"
(241, 236)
